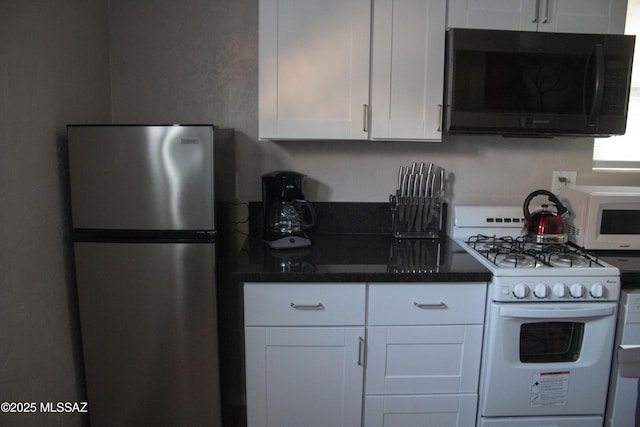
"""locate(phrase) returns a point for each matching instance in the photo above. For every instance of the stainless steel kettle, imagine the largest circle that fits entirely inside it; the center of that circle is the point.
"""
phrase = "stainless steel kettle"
(545, 226)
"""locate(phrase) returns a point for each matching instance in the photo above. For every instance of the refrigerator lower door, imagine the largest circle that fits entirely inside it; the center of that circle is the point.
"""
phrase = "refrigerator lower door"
(149, 333)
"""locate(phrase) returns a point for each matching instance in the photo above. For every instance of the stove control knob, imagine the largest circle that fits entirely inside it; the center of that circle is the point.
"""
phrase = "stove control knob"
(597, 290)
(520, 291)
(577, 290)
(560, 290)
(541, 291)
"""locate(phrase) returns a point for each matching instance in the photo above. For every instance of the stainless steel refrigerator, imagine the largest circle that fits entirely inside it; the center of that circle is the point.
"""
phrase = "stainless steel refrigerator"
(142, 204)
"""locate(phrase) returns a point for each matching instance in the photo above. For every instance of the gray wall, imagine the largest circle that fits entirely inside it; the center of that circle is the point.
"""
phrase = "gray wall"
(191, 61)
(53, 71)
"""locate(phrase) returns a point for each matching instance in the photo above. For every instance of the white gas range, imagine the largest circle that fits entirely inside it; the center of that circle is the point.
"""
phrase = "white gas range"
(550, 323)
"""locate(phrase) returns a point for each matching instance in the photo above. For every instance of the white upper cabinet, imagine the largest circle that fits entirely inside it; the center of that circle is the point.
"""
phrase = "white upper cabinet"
(314, 69)
(407, 66)
(564, 16)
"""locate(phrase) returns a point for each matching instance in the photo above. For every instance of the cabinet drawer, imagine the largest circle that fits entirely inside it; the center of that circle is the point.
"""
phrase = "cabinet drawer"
(283, 304)
(402, 411)
(426, 304)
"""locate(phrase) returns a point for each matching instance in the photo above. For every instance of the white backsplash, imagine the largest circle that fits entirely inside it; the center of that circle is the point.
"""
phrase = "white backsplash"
(480, 169)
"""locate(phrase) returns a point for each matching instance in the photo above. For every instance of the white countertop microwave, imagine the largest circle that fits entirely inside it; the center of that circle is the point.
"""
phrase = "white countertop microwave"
(603, 217)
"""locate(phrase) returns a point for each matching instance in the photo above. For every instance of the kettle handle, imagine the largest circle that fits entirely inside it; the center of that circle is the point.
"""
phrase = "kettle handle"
(312, 213)
(562, 211)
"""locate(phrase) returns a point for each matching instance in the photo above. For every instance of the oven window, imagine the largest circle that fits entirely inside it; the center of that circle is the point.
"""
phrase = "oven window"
(549, 342)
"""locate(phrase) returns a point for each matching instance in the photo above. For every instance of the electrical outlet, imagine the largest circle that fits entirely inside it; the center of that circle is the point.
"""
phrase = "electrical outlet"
(563, 178)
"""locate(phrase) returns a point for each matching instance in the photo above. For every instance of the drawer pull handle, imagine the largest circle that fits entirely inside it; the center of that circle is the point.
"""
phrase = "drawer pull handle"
(317, 306)
(440, 306)
(361, 354)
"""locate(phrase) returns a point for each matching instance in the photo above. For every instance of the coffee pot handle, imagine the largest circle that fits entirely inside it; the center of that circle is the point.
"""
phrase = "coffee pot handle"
(308, 220)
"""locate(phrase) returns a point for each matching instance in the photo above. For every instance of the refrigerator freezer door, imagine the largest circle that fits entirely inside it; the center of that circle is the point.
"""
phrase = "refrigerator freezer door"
(148, 321)
(142, 177)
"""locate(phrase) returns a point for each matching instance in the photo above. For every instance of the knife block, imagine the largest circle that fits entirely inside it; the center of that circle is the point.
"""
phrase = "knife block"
(416, 217)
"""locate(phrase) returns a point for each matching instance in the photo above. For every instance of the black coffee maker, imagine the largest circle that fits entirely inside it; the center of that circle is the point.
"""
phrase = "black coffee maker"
(286, 214)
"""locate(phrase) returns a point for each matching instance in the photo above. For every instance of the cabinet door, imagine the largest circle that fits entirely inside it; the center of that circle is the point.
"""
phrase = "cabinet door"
(493, 14)
(563, 16)
(406, 69)
(304, 376)
(423, 359)
(314, 68)
(404, 411)
(582, 16)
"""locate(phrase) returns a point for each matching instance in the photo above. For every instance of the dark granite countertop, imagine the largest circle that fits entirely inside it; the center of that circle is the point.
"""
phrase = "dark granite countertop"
(359, 258)
(352, 242)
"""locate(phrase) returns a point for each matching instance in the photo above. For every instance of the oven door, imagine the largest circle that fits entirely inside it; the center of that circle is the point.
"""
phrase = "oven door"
(547, 358)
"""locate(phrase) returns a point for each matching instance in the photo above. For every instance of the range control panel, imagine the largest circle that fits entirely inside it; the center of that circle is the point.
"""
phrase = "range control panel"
(561, 289)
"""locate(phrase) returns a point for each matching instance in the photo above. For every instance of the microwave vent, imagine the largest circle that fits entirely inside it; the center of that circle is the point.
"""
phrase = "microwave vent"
(572, 230)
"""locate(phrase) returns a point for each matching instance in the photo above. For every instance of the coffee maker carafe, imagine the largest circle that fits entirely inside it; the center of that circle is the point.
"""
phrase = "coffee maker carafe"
(286, 214)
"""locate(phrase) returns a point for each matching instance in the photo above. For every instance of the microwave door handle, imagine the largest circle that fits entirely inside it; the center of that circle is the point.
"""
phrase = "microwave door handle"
(598, 88)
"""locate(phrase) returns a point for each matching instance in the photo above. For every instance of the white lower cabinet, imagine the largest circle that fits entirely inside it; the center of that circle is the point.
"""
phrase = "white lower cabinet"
(423, 359)
(303, 376)
(307, 351)
(421, 411)
(423, 354)
(304, 346)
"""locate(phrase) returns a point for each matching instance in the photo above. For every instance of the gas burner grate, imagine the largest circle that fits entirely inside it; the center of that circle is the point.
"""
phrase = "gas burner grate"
(493, 244)
(518, 252)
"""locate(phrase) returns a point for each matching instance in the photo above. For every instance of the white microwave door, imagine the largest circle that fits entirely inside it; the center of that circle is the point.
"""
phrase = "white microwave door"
(616, 225)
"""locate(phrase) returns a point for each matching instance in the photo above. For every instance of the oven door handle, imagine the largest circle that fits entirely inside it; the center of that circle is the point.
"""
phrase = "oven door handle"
(554, 313)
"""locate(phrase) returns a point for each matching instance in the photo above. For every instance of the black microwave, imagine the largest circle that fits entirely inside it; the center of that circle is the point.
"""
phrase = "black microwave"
(521, 83)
